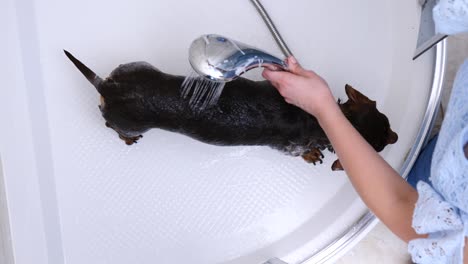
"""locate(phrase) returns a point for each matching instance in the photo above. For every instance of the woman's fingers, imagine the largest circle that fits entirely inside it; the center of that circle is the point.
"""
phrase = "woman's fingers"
(296, 68)
(282, 77)
(278, 77)
(272, 67)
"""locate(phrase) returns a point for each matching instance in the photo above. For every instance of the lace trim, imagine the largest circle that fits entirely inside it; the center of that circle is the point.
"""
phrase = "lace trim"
(451, 16)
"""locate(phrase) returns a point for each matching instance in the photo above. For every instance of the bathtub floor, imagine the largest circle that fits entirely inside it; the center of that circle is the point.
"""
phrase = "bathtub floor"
(381, 245)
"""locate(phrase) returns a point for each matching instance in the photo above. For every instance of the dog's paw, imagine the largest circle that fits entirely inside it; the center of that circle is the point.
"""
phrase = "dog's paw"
(336, 166)
(313, 156)
(130, 140)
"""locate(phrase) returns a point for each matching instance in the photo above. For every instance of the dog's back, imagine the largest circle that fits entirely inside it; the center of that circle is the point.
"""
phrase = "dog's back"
(137, 97)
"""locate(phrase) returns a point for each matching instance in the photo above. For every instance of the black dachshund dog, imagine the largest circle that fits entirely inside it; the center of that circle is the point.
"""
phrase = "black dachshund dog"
(137, 97)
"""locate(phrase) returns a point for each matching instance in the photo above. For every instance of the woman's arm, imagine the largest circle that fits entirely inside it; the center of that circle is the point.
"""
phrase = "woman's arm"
(465, 254)
(381, 188)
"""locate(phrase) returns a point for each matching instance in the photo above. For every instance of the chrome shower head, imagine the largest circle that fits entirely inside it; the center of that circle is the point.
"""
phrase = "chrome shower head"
(222, 59)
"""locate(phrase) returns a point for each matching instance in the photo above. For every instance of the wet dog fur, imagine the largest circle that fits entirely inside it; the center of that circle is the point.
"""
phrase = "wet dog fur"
(137, 97)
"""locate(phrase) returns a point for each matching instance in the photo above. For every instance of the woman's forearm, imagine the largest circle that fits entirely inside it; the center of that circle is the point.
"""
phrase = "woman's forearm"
(381, 188)
(465, 254)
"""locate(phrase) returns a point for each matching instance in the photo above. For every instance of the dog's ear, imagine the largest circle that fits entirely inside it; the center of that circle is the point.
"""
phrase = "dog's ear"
(336, 166)
(356, 96)
(392, 137)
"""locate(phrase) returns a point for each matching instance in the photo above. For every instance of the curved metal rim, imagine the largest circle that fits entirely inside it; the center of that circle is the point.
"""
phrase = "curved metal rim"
(368, 219)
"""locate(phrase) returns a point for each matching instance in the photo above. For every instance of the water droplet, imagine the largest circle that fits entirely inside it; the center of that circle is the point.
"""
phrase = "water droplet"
(201, 92)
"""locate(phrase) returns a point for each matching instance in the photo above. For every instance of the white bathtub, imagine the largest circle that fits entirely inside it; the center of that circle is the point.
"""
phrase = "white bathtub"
(77, 194)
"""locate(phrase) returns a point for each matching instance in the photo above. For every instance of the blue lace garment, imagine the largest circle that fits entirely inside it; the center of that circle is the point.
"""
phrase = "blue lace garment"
(442, 210)
(451, 16)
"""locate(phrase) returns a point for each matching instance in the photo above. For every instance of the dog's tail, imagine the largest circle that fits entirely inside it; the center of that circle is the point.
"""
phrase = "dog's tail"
(92, 77)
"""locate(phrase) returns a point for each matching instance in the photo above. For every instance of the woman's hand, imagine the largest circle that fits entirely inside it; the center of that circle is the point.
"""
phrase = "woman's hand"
(387, 194)
(302, 88)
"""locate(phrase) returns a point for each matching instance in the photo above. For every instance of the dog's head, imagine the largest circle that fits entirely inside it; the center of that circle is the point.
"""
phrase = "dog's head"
(371, 124)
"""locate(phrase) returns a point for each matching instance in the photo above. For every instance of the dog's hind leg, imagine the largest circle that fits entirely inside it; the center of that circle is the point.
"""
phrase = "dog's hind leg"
(130, 140)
